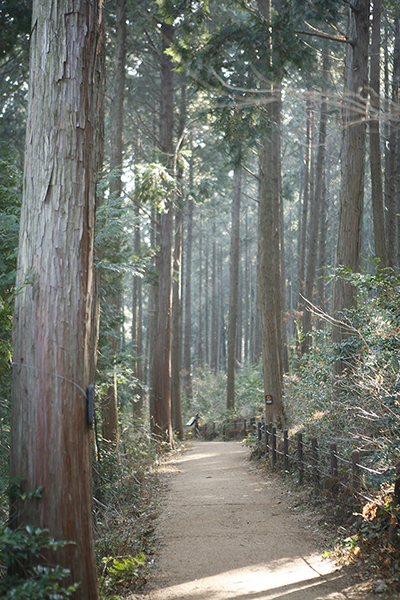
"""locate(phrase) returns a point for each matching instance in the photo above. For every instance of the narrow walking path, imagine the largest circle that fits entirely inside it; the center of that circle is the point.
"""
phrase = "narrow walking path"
(227, 533)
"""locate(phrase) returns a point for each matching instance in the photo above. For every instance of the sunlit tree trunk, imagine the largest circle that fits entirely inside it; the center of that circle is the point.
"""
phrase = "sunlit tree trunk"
(51, 442)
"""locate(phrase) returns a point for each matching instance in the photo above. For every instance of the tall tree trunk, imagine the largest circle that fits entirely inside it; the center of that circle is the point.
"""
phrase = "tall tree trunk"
(220, 321)
(396, 126)
(375, 139)
(152, 320)
(187, 342)
(315, 213)
(51, 443)
(269, 269)
(109, 407)
(137, 326)
(352, 161)
(304, 212)
(247, 276)
(206, 308)
(285, 346)
(213, 349)
(322, 246)
(177, 283)
(200, 311)
(163, 423)
(391, 203)
(233, 284)
(176, 330)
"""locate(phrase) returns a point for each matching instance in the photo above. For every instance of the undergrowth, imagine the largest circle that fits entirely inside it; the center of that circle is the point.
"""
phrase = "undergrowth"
(126, 495)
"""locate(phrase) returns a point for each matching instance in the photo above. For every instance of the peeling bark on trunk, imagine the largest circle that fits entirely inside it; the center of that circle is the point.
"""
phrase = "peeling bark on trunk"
(51, 443)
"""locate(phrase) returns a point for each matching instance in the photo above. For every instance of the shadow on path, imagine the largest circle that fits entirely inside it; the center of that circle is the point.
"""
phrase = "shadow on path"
(226, 533)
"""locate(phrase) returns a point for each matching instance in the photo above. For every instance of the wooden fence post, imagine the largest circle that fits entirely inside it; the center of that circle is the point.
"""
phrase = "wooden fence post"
(334, 463)
(300, 456)
(205, 431)
(244, 427)
(285, 450)
(274, 446)
(259, 432)
(266, 441)
(314, 454)
(214, 431)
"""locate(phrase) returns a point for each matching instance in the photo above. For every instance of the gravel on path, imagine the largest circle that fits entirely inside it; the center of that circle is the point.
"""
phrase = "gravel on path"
(228, 533)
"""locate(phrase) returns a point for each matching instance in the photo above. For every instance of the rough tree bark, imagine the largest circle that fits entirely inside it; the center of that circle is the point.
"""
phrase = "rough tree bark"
(352, 161)
(163, 423)
(269, 269)
(50, 438)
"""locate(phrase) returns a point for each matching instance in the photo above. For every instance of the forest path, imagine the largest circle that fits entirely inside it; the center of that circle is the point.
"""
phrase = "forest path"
(227, 533)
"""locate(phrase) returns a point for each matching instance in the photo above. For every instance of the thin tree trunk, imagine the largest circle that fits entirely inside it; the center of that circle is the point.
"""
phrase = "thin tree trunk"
(391, 203)
(152, 324)
(220, 327)
(177, 286)
(233, 285)
(315, 213)
(200, 312)
(214, 302)
(187, 377)
(285, 346)
(246, 293)
(51, 442)
(109, 407)
(322, 247)
(375, 140)
(206, 308)
(176, 330)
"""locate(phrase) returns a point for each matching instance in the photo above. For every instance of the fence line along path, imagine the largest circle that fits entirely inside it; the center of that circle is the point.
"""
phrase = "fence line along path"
(225, 532)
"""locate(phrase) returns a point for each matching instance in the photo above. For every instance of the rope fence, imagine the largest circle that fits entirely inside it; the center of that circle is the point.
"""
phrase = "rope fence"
(310, 460)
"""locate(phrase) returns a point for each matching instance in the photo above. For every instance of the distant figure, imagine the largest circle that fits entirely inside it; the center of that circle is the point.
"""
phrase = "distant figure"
(195, 421)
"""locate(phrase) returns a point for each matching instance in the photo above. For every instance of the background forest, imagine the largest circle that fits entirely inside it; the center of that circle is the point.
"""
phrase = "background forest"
(247, 227)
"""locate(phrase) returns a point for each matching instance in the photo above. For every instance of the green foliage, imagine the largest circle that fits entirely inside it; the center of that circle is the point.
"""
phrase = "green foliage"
(362, 405)
(117, 572)
(19, 547)
(15, 21)
(209, 395)
(125, 505)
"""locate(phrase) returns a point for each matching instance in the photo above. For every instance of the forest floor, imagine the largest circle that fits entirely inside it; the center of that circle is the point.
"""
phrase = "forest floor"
(228, 532)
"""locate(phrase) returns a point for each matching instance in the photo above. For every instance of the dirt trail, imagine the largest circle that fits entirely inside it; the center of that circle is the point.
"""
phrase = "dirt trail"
(227, 533)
